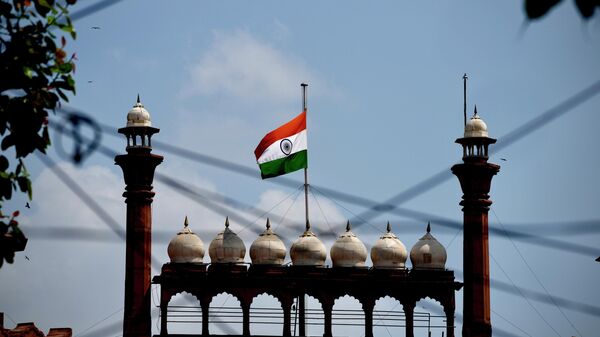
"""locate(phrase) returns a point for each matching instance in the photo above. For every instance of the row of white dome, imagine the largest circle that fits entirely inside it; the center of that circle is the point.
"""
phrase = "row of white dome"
(347, 251)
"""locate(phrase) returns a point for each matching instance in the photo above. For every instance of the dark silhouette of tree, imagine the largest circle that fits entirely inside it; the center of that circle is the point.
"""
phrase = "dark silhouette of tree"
(536, 9)
(36, 76)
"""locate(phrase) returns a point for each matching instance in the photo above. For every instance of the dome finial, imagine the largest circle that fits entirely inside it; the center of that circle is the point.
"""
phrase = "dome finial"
(227, 222)
(428, 226)
(268, 223)
(348, 226)
(185, 222)
(389, 227)
(138, 99)
(307, 225)
(475, 113)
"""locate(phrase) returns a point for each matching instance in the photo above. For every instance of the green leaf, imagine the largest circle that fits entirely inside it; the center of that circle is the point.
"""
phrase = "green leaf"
(3, 163)
(24, 184)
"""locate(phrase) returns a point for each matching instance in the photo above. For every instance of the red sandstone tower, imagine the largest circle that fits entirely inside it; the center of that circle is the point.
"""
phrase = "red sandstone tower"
(138, 169)
(475, 175)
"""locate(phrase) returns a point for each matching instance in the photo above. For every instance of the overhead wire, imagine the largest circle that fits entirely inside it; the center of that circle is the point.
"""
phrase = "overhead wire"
(555, 113)
(508, 139)
(99, 322)
(536, 277)
(511, 323)
(524, 297)
(88, 200)
(573, 305)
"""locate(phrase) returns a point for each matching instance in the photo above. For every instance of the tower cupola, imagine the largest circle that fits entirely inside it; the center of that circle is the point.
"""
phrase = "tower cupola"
(138, 129)
(475, 141)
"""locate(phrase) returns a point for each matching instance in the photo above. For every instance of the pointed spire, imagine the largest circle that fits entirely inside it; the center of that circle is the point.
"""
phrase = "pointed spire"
(475, 113)
(268, 223)
(428, 226)
(348, 226)
(389, 227)
(227, 222)
(186, 222)
(138, 99)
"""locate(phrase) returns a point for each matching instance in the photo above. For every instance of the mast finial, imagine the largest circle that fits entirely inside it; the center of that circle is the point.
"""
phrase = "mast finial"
(465, 77)
(307, 225)
(185, 222)
(268, 223)
(227, 222)
(348, 226)
(428, 226)
(389, 227)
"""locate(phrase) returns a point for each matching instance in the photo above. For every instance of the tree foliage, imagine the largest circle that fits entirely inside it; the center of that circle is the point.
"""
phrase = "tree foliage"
(536, 9)
(36, 75)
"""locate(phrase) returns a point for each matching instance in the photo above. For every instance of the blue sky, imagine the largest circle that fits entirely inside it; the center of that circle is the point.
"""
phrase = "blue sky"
(385, 106)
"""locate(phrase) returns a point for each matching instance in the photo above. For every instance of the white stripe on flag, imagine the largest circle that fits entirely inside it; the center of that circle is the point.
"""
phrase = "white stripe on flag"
(274, 151)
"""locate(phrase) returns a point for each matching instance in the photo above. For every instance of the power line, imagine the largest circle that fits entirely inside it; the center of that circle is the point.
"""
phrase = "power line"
(183, 187)
(523, 296)
(88, 200)
(517, 134)
(82, 13)
(100, 321)
(536, 277)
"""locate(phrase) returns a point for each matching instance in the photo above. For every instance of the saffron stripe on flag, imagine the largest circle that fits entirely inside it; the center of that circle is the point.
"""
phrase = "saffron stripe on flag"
(291, 163)
(288, 129)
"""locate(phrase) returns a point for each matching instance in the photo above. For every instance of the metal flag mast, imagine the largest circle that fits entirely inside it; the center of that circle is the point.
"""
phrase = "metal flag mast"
(302, 299)
(304, 85)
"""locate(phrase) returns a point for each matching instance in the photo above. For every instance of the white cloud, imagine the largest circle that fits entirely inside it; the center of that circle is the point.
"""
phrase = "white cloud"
(241, 66)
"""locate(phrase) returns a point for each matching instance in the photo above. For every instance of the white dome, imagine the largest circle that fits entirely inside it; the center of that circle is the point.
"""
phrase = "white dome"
(475, 127)
(428, 253)
(227, 247)
(268, 249)
(186, 247)
(308, 250)
(348, 250)
(389, 251)
(138, 115)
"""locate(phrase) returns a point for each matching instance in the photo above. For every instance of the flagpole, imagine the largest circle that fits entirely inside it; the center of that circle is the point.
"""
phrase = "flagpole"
(304, 85)
(302, 299)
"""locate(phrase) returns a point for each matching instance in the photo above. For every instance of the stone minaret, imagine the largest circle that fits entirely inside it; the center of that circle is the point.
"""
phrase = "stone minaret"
(475, 175)
(138, 169)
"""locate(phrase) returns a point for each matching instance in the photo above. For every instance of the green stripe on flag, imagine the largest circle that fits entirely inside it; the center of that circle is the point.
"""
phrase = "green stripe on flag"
(291, 163)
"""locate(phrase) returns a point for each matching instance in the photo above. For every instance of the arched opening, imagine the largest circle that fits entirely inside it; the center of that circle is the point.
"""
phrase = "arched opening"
(314, 317)
(225, 315)
(388, 317)
(266, 316)
(429, 318)
(184, 314)
(348, 317)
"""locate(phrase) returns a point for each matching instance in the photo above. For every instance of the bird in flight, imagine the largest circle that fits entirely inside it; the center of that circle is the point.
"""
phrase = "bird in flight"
(95, 27)
(27, 205)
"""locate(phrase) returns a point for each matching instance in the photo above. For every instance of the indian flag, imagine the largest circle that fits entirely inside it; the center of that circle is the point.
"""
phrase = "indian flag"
(283, 150)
